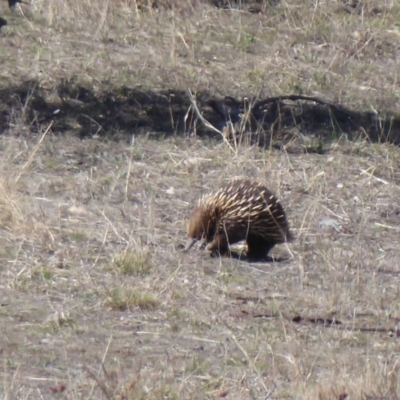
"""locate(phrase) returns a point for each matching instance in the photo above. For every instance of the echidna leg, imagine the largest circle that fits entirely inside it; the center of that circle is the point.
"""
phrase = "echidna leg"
(258, 248)
(219, 244)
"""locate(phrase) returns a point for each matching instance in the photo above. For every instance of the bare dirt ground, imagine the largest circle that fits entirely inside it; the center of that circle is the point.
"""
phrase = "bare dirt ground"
(96, 302)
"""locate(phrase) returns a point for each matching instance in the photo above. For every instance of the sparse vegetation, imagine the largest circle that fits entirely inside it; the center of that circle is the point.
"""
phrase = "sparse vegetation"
(133, 262)
(123, 299)
(96, 302)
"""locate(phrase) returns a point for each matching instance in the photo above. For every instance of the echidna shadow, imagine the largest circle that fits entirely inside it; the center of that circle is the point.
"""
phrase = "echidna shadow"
(241, 210)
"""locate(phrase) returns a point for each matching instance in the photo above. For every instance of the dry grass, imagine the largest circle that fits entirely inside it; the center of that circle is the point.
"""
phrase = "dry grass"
(97, 303)
(302, 47)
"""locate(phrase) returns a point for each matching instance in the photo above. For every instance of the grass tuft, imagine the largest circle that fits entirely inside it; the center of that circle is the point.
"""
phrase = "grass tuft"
(126, 299)
(133, 263)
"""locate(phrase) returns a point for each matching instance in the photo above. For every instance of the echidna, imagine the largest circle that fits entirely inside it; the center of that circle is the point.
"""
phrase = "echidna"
(241, 210)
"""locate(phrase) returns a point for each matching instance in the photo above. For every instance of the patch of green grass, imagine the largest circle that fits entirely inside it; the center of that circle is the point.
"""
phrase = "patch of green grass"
(322, 80)
(175, 312)
(42, 273)
(137, 154)
(245, 42)
(198, 365)
(133, 263)
(10, 364)
(78, 236)
(323, 31)
(47, 274)
(123, 299)
(297, 87)
(257, 77)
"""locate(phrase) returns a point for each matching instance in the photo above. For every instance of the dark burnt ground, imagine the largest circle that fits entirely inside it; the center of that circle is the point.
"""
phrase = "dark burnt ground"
(274, 121)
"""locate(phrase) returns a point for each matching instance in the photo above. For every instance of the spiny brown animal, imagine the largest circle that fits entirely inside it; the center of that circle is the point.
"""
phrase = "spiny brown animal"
(241, 210)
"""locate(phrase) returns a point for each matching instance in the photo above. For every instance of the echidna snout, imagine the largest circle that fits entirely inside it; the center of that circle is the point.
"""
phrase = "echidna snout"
(196, 227)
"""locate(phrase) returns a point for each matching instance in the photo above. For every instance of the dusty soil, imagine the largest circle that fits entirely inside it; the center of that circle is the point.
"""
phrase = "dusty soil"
(104, 154)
